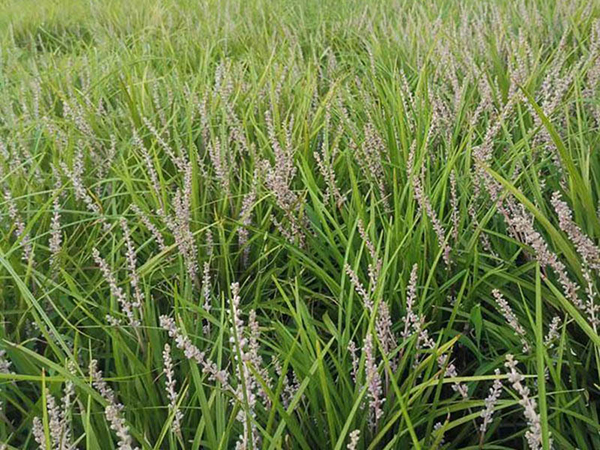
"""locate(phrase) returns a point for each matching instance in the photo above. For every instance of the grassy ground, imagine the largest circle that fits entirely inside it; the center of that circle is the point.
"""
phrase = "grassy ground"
(316, 224)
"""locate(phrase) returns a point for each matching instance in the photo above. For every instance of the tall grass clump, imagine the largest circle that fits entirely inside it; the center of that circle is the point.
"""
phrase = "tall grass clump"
(299, 225)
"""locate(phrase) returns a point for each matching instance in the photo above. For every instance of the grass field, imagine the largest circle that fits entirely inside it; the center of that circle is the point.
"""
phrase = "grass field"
(303, 224)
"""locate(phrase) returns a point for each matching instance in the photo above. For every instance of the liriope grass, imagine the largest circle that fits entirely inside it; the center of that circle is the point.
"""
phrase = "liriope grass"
(203, 120)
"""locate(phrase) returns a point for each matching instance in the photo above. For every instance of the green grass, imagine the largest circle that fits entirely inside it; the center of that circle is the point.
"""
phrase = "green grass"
(366, 84)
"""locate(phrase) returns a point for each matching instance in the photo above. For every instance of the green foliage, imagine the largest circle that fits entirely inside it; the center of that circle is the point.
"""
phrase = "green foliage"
(299, 133)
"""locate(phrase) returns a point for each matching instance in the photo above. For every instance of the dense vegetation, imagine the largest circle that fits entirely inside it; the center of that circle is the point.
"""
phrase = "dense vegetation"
(315, 224)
